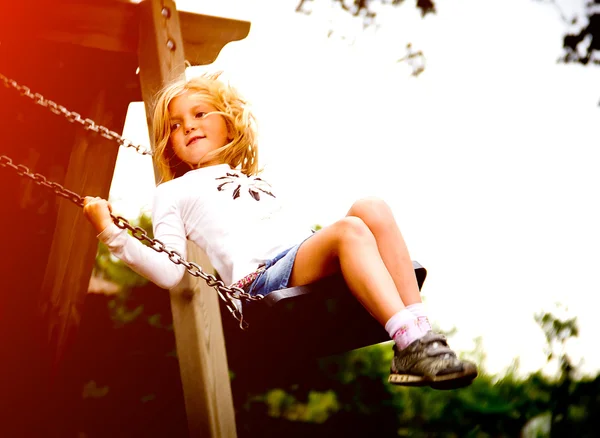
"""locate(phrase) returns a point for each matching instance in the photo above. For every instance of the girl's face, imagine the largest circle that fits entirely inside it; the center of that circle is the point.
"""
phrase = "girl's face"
(194, 132)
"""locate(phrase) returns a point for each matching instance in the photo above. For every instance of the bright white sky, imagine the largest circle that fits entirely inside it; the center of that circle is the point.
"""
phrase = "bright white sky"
(487, 159)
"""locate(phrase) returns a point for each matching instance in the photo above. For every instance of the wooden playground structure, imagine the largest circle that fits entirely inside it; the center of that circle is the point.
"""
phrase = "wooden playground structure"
(86, 55)
(96, 57)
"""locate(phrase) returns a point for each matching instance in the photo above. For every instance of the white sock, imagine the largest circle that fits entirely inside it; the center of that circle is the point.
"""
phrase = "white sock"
(419, 310)
(404, 328)
(398, 320)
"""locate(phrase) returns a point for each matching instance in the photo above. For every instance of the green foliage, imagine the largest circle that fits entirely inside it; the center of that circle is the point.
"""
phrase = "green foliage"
(119, 311)
(112, 269)
(557, 332)
(317, 409)
(109, 267)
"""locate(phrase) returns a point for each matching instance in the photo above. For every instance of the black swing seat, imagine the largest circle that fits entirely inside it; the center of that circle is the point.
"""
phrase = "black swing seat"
(304, 322)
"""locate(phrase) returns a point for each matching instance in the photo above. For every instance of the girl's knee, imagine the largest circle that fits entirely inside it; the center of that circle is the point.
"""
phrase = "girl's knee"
(371, 210)
(352, 228)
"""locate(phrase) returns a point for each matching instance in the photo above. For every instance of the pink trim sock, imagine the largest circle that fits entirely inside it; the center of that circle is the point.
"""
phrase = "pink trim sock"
(404, 328)
(418, 309)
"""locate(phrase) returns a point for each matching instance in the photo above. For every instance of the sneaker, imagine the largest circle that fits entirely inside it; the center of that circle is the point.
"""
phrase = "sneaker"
(429, 361)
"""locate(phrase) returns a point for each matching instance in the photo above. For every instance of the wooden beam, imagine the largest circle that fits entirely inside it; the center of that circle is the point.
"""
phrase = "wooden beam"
(202, 355)
(204, 36)
(113, 25)
(81, 161)
(196, 314)
(74, 244)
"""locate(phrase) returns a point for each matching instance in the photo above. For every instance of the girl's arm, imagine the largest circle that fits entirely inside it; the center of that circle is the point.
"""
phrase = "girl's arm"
(156, 267)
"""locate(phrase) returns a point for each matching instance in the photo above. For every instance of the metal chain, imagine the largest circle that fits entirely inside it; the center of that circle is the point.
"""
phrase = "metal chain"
(227, 294)
(72, 116)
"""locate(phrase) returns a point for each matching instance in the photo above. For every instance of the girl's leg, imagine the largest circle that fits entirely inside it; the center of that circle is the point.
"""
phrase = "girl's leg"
(377, 215)
(357, 246)
(350, 247)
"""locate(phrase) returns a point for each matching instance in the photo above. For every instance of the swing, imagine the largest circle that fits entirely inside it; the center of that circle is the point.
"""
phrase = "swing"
(315, 320)
(319, 319)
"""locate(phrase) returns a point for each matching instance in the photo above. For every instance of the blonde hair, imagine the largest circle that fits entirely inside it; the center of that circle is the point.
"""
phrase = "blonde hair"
(241, 152)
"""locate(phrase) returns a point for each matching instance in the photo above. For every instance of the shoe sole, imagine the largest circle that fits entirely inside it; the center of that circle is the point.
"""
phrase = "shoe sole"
(408, 380)
(443, 382)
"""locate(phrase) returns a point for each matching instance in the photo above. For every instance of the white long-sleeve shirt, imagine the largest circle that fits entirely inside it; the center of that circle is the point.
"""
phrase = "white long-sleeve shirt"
(237, 220)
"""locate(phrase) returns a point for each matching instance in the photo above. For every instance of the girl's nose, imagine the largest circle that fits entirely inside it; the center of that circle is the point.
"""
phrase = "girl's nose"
(189, 128)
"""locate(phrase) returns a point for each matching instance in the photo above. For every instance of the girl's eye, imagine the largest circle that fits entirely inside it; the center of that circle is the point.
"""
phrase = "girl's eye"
(200, 115)
(175, 126)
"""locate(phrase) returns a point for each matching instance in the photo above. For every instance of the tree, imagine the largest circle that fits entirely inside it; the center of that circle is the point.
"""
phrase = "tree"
(583, 43)
(558, 332)
(364, 8)
(580, 43)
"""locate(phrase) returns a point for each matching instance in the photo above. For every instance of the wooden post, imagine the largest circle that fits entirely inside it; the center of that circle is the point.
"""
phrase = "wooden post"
(46, 311)
(74, 244)
(196, 315)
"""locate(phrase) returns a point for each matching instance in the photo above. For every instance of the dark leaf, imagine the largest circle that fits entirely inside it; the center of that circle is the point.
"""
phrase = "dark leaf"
(254, 194)
(228, 175)
(426, 7)
(267, 192)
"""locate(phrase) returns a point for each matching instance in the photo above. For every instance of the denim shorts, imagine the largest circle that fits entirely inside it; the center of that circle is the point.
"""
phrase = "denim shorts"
(277, 272)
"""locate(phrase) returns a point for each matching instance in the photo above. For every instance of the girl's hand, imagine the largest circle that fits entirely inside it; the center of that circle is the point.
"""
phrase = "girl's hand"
(97, 211)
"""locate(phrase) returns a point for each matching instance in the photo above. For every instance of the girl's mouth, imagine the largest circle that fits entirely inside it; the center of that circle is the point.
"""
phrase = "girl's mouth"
(194, 140)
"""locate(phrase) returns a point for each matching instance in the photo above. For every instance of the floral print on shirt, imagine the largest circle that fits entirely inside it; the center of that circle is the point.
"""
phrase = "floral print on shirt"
(239, 183)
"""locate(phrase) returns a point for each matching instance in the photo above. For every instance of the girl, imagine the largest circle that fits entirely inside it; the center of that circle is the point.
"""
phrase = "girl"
(207, 153)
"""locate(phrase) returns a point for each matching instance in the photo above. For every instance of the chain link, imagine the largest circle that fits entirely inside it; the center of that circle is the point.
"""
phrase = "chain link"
(72, 116)
(227, 294)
